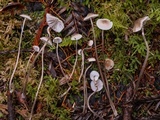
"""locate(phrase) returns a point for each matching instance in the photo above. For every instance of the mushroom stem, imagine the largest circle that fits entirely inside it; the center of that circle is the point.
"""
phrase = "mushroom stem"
(95, 114)
(29, 71)
(19, 49)
(59, 60)
(74, 63)
(40, 83)
(85, 89)
(82, 64)
(103, 42)
(144, 63)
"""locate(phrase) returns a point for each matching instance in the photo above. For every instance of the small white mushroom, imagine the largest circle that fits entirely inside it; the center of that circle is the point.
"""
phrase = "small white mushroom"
(94, 75)
(90, 43)
(26, 16)
(109, 64)
(57, 40)
(54, 23)
(76, 36)
(96, 86)
(90, 15)
(138, 24)
(91, 59)
(46, 40)
(104, 24)
(80, 52)
(36, 48)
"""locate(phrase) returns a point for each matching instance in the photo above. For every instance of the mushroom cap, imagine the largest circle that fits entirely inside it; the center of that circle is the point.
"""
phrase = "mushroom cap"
(46, 39)
(26, 16)
(109, 64)
(91, 59)
(36, 48)
(104, 24)
(94, 75)
(96, 86)
(138, 24)
(57, 40)
(90, 43)
(76, 36)
(90, 15)
(79, 52)
(55, 23)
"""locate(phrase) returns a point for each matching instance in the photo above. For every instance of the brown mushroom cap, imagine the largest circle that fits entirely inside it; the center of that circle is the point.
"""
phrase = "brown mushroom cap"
(109, 64)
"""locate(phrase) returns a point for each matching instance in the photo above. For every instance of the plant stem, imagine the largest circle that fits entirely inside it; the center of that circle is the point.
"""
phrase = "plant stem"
(40, 83)
(62, 72)
(60, 65)
(19, 50)
(74, 63)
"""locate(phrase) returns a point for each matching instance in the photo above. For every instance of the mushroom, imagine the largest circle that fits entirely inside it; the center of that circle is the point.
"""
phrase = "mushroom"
(90, 16)
(104, 24)
(108, 64)
(90, 43)
(19, 50)
(35, 48)
(139, 25)
(96, 86)
(39, 85)
(75, 37)
(81, 52)
(54, 23)
(94, 75)
(46, 40)
(58, 40)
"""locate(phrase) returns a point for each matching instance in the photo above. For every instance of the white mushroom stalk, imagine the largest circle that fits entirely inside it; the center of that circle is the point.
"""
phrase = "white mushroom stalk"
(90, 43)
(139, 25)
(75, 37)
(57, 41)
(39, 86)
(19, 49)
(91, 60)
(45, 40)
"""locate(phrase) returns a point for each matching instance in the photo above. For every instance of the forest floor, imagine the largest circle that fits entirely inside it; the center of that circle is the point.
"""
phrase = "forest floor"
(45, 85)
